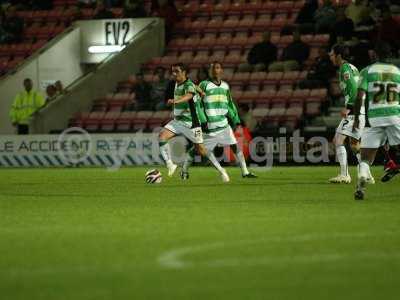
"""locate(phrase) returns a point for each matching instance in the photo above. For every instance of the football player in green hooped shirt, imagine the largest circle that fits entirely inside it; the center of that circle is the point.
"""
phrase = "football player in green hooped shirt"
(188, 116)
(379, 88)
(348, 80)
(219, 110)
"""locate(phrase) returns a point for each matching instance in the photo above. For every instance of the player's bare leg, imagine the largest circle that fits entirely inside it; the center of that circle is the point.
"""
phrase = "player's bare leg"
(341, 155)
(202, 150)
(163, 138)
(355, 147)
(367, 158)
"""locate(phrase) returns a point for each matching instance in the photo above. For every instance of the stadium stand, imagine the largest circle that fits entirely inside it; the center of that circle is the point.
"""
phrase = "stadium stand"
(207, 31)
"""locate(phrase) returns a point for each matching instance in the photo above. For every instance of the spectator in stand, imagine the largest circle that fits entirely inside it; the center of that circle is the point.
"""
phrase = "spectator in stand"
(320, 72)
(305, 18)
(293, 55)
(59, 88)
(325, 17)
(344, 27)
(357, 10)
(388, 29)
(51, 93)
(134, 9)
(102, 12)
(158, 89)
(25, 104)
(261, 55)
(142, 89)
(167, 10)
(13, 26)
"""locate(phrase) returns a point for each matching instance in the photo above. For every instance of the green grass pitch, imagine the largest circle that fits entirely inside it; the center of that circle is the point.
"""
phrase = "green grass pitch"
(94, 234)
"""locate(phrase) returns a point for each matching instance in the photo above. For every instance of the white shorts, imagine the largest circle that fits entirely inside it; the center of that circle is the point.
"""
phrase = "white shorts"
(346, 127)
(221, 138)
(375, 137)
(195, 135)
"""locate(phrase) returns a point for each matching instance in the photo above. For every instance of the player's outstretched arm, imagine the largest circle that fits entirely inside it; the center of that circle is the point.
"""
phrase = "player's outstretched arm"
(185, 98)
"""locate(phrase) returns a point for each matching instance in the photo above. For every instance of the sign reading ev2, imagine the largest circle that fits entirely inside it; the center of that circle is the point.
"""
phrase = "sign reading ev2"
(117, 32)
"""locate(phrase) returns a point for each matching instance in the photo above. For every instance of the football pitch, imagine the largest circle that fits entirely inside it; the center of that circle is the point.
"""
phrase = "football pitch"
(95, 234)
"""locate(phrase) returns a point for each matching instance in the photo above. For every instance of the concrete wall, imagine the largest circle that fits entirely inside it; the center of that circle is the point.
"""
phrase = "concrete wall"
(147, 44)
(48, 64)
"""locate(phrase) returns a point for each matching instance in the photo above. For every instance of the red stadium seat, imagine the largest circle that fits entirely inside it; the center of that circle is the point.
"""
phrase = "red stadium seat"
(273, 77)
(319, 95)
(124, 122)
(92, 124)
(290, 77)
(269, 7)
(107, 124)
(207, 42)
(241, 78)
(301, 94)
(284, 7)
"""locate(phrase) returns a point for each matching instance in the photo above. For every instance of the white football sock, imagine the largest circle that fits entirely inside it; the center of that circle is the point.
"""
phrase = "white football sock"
(214, 161)
(364, 170)
(242, 162)
(341, 155)
(165, 152)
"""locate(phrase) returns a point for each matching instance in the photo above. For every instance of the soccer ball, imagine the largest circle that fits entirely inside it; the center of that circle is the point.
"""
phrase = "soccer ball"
(153, 176)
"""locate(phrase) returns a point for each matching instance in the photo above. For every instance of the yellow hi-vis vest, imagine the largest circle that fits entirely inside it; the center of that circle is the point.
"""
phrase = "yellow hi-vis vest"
(25, 104)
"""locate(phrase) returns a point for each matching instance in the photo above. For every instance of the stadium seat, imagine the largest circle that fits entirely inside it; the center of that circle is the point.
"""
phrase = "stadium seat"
(190, 43)
(213, 25)
(158, 119)
(190, 8)
(246, 23)
(176, 43)
(252, 7)
(229, 24)
(301, 94)
(240, 77)
(186, 57)
(207, 42)
(290, 123)
(262, 23)
(107, 124)
(313, 109)
(278, 23)
(319, 95)
(198, 26)
(217, 56)
(140, 120)
(273, 78)
(92, 124)
(290, 77)
(100, 104)
(284, 7)
(222, 43)
(199, 60)
(269, 7)
(232, 59)
(257, 77)
(124, 122)
(260, 113)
